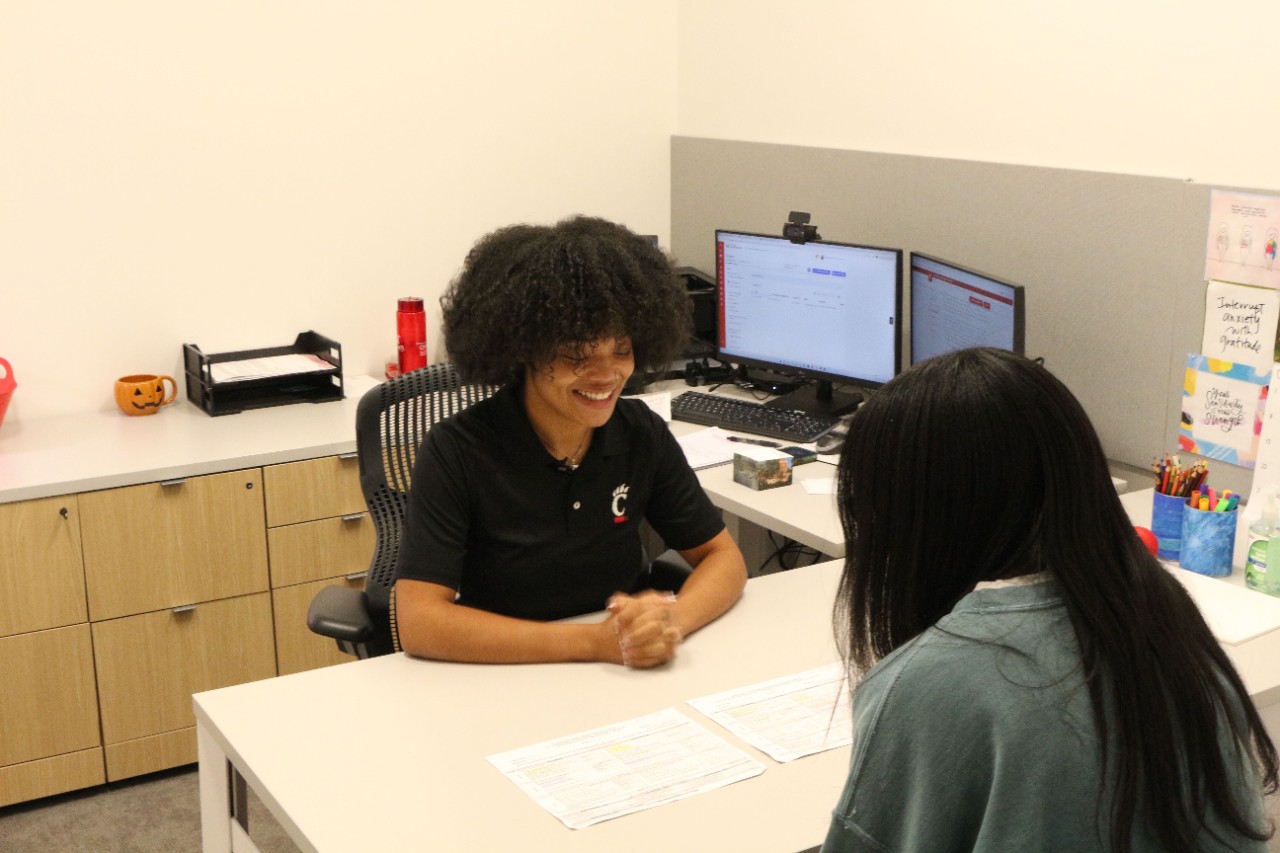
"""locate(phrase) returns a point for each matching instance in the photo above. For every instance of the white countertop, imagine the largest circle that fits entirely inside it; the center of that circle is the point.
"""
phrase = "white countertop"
(103, 450)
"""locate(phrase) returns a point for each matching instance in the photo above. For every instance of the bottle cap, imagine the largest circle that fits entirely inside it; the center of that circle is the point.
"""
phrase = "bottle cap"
(410, 303)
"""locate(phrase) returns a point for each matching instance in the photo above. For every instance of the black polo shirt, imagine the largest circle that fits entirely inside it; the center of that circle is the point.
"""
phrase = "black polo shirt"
(492, 515)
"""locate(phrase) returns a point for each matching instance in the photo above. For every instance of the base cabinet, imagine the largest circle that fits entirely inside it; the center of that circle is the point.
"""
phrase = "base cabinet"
(318, 534)
(149, 666)
(49, 711)
(117, 605)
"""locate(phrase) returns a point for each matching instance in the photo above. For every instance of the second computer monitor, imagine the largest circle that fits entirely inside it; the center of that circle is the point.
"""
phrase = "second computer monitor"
(818, 310)
(955, 308)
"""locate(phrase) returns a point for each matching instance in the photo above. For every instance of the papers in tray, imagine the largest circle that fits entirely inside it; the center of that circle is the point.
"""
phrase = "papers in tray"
(268, 366)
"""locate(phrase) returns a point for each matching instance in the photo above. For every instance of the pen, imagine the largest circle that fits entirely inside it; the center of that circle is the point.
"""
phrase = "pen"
(758, 441)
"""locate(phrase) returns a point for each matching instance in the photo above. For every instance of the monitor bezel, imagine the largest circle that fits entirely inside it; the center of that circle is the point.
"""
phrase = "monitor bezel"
(791, 369)
(1019, 301)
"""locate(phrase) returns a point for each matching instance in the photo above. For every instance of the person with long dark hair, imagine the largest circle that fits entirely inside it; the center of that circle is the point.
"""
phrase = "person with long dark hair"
(1028, 676)
(526, 508)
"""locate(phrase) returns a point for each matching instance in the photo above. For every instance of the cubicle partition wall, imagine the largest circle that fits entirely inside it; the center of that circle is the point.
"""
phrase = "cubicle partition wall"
(1113, 264)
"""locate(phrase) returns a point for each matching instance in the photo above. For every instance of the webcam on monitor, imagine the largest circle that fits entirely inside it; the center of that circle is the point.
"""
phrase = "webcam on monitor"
(797, 228)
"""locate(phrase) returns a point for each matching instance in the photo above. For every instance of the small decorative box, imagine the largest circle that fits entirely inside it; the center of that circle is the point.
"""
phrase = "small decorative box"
(762, 468)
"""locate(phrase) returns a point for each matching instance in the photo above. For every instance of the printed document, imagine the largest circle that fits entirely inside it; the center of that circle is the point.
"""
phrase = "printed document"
(789, 717)
(627, 767)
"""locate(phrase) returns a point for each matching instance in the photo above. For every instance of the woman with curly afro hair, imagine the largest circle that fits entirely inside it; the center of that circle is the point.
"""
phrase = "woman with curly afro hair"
(525, 508)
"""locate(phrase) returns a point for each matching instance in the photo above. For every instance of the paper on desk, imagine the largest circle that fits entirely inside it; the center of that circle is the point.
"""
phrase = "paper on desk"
(708, 447)
(819, 485)
(272, 365)
(627, 767)
(789, 717)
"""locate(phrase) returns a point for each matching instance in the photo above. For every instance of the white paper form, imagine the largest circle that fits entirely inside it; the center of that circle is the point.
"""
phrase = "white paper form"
(789, 717)
(627, 767)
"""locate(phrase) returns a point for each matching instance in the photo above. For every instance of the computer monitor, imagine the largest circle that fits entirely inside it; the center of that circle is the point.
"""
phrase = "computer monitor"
(819, 310)
(954, 308)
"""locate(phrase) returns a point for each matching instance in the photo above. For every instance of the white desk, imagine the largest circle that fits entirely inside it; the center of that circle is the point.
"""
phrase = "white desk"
(1234, 611)
(406, 740)
(389, 754)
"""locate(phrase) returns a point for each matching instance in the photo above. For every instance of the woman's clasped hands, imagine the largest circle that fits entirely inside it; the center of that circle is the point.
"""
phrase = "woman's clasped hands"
(645, 626)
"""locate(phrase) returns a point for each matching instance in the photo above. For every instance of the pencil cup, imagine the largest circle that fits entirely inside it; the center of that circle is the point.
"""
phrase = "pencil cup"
(1166, 524)
(1208, 541)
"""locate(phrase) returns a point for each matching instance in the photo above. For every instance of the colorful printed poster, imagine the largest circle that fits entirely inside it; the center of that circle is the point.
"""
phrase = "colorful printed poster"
(1222, 407)
(1244, 237)
(1240, 324)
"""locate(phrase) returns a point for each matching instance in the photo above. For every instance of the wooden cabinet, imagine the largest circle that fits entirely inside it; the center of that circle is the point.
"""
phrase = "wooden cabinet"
(117, 605)
(150, 664)
(48, 714)
(172, 570)
(42, 582)
(318, 533)
(170, 544)
(49, 739)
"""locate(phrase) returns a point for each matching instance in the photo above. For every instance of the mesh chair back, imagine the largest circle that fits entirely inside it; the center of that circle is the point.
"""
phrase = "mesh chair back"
(392, 420)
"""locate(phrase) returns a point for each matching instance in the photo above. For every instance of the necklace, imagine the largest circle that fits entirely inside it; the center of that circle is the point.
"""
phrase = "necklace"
(572, 461)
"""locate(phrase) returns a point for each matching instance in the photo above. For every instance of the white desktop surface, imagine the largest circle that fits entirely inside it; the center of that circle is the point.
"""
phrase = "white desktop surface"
(1246, 623)
(390, 754)
(108, 449)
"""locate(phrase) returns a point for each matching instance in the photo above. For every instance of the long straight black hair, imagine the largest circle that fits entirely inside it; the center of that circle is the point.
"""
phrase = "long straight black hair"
(980, 465)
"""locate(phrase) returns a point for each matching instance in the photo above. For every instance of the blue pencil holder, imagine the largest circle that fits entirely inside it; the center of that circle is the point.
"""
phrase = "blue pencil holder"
(1208, 542)
(1166, 524)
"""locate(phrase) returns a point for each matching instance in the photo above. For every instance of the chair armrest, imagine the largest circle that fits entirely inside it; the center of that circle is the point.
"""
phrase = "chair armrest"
(341, 613)
(668, 572)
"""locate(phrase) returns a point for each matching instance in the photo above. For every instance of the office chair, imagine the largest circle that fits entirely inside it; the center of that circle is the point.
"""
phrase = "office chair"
(392, 420)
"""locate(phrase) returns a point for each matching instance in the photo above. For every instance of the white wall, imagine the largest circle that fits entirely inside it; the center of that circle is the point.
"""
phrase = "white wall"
(231, 173)
(1168, 88)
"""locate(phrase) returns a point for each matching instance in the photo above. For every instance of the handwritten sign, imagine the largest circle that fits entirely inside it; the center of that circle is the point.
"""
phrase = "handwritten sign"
(1222, 407)
(1244, 237)
(1240, 324)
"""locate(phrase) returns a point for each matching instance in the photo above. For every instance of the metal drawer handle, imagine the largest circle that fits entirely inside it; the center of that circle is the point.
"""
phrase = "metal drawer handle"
(355, 454)
(186, 608)
(355, 516)
(178, 482)
(355, 576)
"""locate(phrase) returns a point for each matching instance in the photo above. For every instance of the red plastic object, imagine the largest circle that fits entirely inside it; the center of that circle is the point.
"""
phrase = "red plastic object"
(411, 325)
(7, 384)
(1149, 539)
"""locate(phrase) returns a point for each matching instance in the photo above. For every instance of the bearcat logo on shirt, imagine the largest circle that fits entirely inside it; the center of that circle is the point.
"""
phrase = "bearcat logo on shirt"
(620, 498)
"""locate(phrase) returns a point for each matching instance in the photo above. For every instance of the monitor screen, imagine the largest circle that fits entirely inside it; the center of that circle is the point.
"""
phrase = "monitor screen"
(817, 310)
(954, 308)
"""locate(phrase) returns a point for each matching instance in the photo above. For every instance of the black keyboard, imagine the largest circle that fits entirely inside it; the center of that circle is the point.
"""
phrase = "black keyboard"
(745, 416)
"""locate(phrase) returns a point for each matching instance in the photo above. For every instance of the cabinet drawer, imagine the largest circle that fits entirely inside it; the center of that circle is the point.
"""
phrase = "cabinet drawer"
(47, 702)
(149, 665)
(156, 546)
(297, 647)
(313, 488)
(149, 754)
(315, 550)
(49, 776)
(42, 582)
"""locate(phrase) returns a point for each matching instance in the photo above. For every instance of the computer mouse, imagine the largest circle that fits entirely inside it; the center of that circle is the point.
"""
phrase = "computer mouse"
(832, 440)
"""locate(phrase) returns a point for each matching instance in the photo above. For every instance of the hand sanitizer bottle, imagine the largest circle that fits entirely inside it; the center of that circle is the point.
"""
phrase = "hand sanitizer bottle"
(1264, 549)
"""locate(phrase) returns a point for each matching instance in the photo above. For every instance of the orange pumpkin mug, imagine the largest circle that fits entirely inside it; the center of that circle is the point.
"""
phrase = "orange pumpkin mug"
(143, 393)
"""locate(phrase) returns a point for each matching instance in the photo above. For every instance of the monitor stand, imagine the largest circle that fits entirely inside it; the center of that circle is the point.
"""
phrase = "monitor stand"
(819, 399)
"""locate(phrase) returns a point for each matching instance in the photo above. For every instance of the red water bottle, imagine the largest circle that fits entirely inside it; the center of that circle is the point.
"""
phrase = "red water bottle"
(411, 324)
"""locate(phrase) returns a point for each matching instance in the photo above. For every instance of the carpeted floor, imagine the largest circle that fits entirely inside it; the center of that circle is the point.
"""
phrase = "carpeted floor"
(159, 813)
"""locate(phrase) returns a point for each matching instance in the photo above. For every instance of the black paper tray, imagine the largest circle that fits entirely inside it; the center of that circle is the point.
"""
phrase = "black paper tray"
(231, 397)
